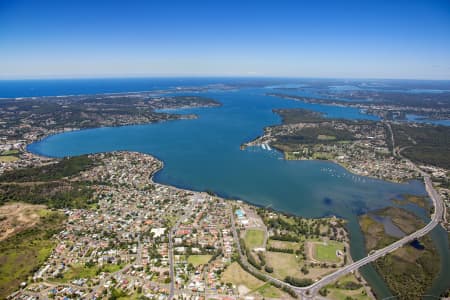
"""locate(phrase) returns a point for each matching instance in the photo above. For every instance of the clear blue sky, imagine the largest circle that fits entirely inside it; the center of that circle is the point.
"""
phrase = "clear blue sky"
(356, 39)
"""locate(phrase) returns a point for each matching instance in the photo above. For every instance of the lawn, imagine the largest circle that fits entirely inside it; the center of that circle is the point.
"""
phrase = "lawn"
(8, 158)
(268, 291)
(326, 251)
(283, 244)
(284, 264)
(81, 271)
(324, 137)
(254, 238)
(198, 260)
(339, 292)
(238, 276)
(10, 152)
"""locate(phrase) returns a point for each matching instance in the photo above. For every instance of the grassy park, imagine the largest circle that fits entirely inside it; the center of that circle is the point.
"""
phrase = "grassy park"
(236, 275)
(247, 283)
(83, 271)
(254, 238)
(197, 260)
(283, 244)
(284, 264)
(326, 251)
(345, 287)
(8, 158)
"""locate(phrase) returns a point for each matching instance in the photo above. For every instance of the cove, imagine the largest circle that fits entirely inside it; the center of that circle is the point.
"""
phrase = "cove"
(204, 154)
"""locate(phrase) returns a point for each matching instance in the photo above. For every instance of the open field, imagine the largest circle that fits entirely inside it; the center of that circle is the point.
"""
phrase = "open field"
(198, 260)
(237, 276)
(24, 252)
(284, 264)
(16, 217)
(82, 271)
(8, 158)
(10, 152)
(283, 244)
(326, 251)
(247, 284)
(347, 286)
(254, 238)
(322, 137)
(269, 291)
(79, 271)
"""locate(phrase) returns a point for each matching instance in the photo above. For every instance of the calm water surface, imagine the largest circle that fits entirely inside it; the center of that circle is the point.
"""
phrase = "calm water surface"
(204, 154)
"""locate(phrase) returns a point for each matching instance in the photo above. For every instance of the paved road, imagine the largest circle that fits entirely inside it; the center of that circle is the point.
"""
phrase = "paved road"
(392, 138)
(172, 231)
(309, 292)
(436, 218)
(171, 264)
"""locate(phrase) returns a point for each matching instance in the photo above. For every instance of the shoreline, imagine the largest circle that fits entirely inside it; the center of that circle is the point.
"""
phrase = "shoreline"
(160, 165)
(244, 146)
(152, 178)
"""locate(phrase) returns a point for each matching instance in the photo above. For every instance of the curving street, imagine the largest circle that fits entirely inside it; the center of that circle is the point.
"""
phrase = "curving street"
(309, 292)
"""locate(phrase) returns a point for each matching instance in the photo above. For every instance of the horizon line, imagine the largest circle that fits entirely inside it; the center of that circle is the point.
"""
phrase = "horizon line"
(252, 76)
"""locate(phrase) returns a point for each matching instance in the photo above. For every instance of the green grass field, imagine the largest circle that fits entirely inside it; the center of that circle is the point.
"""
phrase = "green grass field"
(237, 276)
(10, 152)
(8, 158)
(81, 271)
(268, 291)
(338, 290)
(339, 294)
(326, 252)
(198, 260)
(324, 137)
(254, 238)
(283, 244)
(284, 264)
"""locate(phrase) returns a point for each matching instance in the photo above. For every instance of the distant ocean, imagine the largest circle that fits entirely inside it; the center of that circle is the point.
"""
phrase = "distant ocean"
(52, 87)
(204, 153)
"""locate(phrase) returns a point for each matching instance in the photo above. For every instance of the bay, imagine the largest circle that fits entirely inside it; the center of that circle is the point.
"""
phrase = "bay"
(204, 154)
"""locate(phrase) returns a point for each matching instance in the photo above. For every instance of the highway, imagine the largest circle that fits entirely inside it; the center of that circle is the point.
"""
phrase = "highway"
(309, 292)
(435, 219)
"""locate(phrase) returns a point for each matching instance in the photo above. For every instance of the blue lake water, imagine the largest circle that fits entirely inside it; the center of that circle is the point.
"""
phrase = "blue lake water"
(204, 154)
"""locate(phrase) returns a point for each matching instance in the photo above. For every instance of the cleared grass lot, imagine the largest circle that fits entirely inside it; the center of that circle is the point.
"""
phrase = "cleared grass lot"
(82, 271)
(238, 276)
(254, 238)
(284, 264)
(326, 251)
(197, 260)
(283, 244)
(343, 289)
(8, 158)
